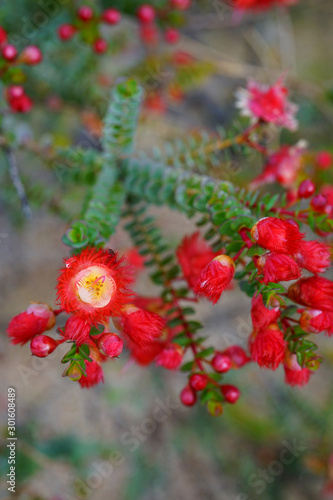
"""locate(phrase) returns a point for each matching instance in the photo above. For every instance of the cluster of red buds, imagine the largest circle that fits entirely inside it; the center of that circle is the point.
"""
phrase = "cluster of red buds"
(151, 19)
(10, 59)
(87, 23)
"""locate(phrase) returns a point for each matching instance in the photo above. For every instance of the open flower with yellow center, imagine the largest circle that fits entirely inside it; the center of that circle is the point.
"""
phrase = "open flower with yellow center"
(94, 284)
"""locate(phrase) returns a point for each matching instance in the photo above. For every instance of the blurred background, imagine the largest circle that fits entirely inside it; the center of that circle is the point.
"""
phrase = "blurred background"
(130, 438)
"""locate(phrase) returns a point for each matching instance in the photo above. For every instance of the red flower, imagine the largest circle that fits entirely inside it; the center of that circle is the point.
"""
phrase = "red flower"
(282, 167)
(193, 255)
(314, 256)
(171, 357)
(134, 259)
(315, 292)
(94, 285)
(277, 235)
(94, 374)
(261, 315)
(269, 104)
(268, 346)
(141, 326)
(215, 278)
(35, 320)
(77, 328)
(277, 267)
(294, 374)
(145, 354)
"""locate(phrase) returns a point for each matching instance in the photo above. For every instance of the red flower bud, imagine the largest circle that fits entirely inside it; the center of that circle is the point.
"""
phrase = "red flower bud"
(295, 374)
(171, 357)
(180, 4)
(141, 326)
(277, 235)
(20, 104)
(277, 267)
(149, 34)
(171, 35)
(230, 392)
(221, 363)
(111, 16)
(237, 356)
(85, 13)
(267, 347)
(14, 92)
(38, 318)
(306, 189)
(314, 256)
(146, 13)
(261, 315)
(9, 52)
(42, 345)
(31, 55)
(315, 321)
(215, 278)
(110, 344)
(324, 160)
(100, 46)
(318, 203)
(77, 329)
(3, 36)
(94, 375)
(188, 397)
(198, 381)
(315, 292)
(66, 32)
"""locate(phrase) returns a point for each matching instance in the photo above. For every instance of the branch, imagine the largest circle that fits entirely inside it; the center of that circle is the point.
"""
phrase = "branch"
(16, 180)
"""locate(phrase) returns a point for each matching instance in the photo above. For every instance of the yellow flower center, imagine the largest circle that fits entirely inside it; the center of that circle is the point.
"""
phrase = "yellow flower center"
(94, 286)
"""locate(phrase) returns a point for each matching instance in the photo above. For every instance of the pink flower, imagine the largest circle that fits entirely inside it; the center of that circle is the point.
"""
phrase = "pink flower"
(269, 104)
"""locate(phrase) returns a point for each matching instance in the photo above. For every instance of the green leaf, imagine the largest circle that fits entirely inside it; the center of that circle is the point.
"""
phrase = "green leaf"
(206, 352)
(187, 366)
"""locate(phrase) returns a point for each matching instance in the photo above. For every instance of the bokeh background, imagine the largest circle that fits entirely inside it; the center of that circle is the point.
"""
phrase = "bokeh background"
(106, 443)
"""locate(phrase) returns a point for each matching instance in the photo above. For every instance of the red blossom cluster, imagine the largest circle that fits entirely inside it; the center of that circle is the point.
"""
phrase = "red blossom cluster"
(288, 255)
(11, 59)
